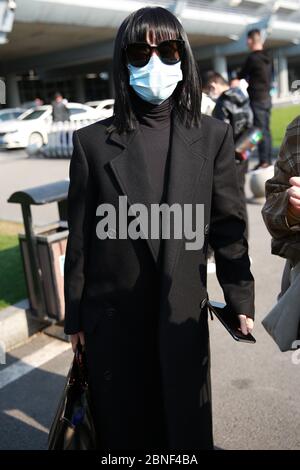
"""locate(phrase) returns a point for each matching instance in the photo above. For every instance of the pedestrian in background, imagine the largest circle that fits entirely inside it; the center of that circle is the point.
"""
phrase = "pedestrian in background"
(258, 73)
(38, 102)
(234, 81)
(232, 106)
(60, 111)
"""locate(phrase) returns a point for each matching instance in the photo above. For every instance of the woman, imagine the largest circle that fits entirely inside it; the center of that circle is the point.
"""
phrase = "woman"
(139, 303)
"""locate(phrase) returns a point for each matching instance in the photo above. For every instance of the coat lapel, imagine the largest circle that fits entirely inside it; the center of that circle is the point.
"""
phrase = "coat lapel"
(186, 162)
(129, 169)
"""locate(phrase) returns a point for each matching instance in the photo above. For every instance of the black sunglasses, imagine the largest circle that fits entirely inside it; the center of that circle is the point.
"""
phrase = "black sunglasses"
(170, 52)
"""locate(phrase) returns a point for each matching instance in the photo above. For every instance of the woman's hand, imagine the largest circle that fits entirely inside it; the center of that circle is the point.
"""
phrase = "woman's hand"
(246, 324)
(75, 338)
(294, 194)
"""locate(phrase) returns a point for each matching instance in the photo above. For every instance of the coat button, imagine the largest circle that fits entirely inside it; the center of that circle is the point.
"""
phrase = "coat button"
(206, 229)
(107, 375)
(203, 303)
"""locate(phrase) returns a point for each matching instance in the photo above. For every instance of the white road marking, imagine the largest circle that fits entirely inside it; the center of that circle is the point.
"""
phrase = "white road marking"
(32, 361)
(25, 418)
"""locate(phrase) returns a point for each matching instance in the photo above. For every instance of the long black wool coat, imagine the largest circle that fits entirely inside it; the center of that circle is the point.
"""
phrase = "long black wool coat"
(145, 320)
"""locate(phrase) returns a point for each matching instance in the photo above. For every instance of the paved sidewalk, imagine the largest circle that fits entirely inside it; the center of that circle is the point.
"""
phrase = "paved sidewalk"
(17, 171)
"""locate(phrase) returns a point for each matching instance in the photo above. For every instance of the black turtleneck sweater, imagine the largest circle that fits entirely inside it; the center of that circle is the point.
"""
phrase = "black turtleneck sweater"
(155, 125)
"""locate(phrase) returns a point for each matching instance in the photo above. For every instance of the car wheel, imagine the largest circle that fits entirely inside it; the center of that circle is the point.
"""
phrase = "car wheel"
(36, 139)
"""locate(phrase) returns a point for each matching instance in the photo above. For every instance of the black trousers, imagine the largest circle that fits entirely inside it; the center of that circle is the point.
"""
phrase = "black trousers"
(261, 113)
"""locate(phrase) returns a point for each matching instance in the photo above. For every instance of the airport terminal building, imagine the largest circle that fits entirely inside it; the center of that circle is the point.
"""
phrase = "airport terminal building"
(67, 45)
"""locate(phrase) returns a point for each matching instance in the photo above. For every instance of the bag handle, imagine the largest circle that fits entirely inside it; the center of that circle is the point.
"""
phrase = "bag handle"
(79, 363)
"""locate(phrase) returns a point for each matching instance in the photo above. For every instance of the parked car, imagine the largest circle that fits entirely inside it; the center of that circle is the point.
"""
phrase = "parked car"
(8, 114)
(104, 108)
(32, 126)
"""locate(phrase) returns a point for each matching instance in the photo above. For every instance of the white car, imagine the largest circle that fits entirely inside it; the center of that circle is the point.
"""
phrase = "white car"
(8, 114)
(103, 108)
(33, 125)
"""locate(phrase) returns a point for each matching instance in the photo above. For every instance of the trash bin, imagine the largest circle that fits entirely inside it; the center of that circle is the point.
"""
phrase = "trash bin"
(43, 249)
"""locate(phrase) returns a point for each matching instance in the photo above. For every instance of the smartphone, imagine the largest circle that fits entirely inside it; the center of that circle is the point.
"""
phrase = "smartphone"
(231, 322)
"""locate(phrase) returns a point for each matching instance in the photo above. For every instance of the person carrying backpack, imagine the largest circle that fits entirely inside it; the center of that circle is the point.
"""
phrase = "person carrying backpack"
(233, 107)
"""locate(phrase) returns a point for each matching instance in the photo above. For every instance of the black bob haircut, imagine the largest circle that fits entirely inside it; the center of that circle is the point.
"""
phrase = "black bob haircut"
(161, 25)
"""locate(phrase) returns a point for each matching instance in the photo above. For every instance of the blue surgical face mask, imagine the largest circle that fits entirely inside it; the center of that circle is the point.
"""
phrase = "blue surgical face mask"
(156, 81)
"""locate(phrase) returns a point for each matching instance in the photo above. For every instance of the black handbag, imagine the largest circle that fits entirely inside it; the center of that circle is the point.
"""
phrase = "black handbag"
(73, 427)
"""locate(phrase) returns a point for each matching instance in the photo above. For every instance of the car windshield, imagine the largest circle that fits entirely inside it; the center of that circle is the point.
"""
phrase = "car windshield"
(33, 115)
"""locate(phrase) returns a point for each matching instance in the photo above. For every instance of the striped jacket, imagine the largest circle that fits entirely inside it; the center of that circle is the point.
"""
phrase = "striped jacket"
(285, 237)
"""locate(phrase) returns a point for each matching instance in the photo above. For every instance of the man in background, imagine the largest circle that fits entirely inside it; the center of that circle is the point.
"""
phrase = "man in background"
(60, 112)
(235, 82)
(232, 106)
(258, 73)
